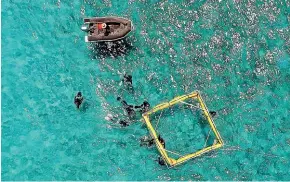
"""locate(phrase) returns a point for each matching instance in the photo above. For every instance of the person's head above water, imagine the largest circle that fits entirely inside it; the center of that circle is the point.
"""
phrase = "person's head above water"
(78, 99)
(212, 113)
(161, 161)
(123, 123)
(146, 104)
(128, 77)
(119, 98)
(159, 138)
(79, 94)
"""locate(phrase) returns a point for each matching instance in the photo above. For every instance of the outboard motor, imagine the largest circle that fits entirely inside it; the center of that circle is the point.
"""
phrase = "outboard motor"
(85, 27)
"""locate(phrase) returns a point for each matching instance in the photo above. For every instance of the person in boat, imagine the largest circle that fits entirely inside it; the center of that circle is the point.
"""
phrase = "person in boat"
(107, 29)
(129, 108)
(92, 29)
(146, 141)
(161, 140)
(161, 162)
(143, 107)
(78, 99)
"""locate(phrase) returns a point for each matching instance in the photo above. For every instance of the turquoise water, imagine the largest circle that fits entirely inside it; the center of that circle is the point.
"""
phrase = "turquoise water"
(236, 53)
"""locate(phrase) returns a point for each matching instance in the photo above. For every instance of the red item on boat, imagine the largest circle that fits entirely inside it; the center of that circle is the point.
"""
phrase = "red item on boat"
(100, 26)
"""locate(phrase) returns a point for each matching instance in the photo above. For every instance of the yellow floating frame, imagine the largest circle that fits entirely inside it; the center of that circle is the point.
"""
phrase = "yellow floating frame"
(173, 162)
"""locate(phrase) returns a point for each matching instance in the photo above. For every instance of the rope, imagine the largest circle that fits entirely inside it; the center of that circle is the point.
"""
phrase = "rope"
(173, 152)
(191, 105)
(207, 138)
(158, 119)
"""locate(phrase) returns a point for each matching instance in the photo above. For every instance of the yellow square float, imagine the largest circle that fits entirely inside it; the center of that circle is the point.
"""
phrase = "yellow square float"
(173, 162)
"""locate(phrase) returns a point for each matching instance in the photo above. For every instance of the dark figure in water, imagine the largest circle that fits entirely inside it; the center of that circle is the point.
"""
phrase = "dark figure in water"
(212, 113)
(78, 99)
(147, 141)
(161, 162)
(115, 119)
(161, 140)
(123, 123)
(129, 108)
(127, 80)
(144, 107)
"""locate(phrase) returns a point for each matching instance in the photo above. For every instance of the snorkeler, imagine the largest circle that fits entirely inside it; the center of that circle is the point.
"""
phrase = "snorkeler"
(212, 113)
(127, 80)
(129, 108)
(143, 107)
(161, 162)
(161, 140)
(123, 123)
(115, 119)
(147, 141)
(78, 99)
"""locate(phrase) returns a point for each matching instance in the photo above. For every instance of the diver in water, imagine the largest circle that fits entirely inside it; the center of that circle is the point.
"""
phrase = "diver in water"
(123, 123)
(129, 108)
(161, 162)
(212, 113)
(161, 140)
(78, 99)
(127, 80)
(143, 107)
(115, 119)
(146, 141)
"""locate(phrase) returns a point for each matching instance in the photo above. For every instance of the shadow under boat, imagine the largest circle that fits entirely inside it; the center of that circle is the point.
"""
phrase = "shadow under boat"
(114, 49)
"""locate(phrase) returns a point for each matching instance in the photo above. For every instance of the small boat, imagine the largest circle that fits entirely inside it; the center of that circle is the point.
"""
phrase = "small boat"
(101, 29)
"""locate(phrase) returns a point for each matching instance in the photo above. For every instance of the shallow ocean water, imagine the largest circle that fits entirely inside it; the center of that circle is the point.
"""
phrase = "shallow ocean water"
(236, 53)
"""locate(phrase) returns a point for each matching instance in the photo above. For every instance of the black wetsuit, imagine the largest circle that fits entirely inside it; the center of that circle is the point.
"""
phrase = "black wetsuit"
(144, 107)
(78, 100)
(161, 140)
(129, 108)
(148, 142)
(127, 79)
(151, 142)
(123, 123)
(212, 113)
(161, 161)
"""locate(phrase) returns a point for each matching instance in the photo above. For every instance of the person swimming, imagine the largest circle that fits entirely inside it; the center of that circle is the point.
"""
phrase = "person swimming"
(78, 99)
(161, 162)
(127, 80)
(143, 107)
(123, 123)
(212, 113)
(146, 141)
(115, 120)
(129, 108)
(161, 140)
